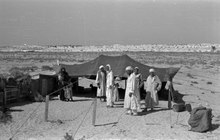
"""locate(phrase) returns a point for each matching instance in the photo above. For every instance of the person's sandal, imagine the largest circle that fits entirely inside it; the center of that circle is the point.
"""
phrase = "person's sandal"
(128, 113)
(135, 114)
(145, 110)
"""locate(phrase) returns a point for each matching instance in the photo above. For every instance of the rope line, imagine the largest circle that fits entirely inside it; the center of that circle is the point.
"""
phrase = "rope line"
(16, 132)
(82, 120)
(62, 88)
(120, 116)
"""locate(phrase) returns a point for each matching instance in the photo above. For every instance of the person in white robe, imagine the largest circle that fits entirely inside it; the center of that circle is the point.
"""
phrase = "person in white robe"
(130, 102)
(152, 86)
(101, 83)
(115, 91)
(138, 82)
(109, 86)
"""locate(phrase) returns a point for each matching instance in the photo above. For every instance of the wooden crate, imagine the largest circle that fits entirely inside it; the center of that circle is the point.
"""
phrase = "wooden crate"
(1, 97)
(11, 93)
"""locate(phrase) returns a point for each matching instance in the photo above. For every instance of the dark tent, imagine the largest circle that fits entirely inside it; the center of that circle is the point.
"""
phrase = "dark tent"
(118, 64)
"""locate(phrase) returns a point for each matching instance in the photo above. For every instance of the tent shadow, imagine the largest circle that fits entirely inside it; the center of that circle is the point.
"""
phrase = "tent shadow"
(80, 100)
(118, 106)
(214, 127)
(19, 103)
(15, 110)
(148, 112)
(178, 97)
(112, 123)
(118, 103)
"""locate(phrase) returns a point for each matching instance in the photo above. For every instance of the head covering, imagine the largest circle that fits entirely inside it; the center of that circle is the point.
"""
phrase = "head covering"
(101, 66)
(62, 69)
(117, 79)
(108, 65)
(136, 68)
(151, 70)
(129, 68)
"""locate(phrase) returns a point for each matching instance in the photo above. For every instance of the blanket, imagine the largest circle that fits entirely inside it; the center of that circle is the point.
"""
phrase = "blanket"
(200, 119)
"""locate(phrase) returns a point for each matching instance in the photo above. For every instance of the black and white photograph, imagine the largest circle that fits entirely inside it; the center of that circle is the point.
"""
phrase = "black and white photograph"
(109, 69)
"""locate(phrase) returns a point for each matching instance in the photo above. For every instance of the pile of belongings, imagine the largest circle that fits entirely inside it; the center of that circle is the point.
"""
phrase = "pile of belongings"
(200, 119)
(180, 107)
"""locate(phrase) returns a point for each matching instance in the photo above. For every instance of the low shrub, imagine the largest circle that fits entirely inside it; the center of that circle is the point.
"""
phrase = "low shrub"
(194, 82)
(209, 83)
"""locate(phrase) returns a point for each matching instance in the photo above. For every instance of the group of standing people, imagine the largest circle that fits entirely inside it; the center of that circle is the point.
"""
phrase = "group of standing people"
(108, 88)
(132, 94)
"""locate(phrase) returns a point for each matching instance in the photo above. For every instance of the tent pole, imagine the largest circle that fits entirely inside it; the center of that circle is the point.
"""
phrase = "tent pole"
(77, 85)
(169, 95)
(94, 111)
(125, 83)
(46, 108)
(169, 99)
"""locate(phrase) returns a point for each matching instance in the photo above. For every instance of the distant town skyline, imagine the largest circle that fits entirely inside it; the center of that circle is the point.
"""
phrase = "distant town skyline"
(108, 22)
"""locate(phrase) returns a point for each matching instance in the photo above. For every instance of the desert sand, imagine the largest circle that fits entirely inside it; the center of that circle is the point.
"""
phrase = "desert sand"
(199, 83)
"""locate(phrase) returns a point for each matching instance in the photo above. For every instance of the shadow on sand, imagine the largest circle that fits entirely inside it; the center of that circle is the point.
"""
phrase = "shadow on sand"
(144, 112)
(112, 123)
(214, 127)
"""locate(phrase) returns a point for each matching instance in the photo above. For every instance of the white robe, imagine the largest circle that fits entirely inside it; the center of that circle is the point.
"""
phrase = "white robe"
(138, 79)
(130, 102)
(152, 86)
(115, 92)
(101, 80)
(109, 88)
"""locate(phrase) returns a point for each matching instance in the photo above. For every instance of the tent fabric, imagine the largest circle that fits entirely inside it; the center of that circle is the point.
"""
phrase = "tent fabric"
(118, 64)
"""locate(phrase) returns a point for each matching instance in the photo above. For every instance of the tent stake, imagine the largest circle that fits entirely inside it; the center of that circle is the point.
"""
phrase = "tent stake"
(94, 111)
(46, 108)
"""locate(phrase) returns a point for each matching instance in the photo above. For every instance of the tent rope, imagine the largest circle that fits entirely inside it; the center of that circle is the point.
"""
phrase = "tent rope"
(82, 120)
(16, 132)
(62, 88)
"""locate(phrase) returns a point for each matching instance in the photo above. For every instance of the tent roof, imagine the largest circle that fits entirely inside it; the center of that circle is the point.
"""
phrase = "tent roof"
(118, 65)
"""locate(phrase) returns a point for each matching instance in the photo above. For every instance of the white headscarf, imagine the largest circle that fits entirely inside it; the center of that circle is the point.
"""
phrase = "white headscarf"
(129, 68)
(101, 66)
(108, 65)
(151, 70)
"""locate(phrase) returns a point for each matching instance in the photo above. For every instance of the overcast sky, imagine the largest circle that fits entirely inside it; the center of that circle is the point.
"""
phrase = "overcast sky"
(106, 22)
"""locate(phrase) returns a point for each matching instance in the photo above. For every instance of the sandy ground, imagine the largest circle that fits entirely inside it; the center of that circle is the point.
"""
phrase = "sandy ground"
(66, 117)
(116, 47)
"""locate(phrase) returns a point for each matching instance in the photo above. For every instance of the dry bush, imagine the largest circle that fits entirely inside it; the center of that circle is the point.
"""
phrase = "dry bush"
(194, 82)
(190, 76)
(18, 72)
(209, 83)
